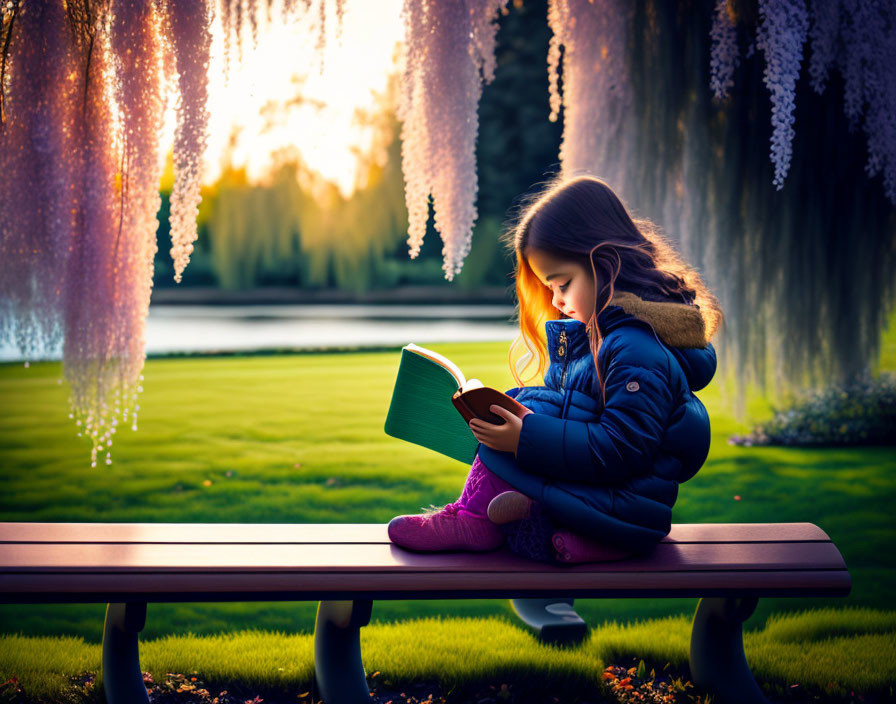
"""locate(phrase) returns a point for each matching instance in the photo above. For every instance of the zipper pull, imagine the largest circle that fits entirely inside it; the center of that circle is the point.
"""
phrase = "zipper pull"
(561, 347)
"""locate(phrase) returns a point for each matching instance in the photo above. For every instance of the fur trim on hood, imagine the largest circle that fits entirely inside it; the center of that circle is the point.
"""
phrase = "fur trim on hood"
(676, 324)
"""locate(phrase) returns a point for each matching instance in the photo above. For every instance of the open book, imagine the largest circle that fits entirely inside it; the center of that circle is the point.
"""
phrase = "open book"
(433, 402)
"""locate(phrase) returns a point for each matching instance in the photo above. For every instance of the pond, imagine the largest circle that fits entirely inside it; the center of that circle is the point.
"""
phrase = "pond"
(176, 329)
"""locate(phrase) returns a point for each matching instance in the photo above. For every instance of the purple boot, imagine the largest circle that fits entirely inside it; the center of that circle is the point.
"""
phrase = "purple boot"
(461, 525)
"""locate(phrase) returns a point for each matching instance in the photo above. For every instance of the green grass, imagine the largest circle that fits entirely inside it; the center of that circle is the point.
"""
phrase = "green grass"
(298, 438)
(827, 651)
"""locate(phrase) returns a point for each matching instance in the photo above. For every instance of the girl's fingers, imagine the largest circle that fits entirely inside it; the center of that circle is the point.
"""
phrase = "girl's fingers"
(501, 411)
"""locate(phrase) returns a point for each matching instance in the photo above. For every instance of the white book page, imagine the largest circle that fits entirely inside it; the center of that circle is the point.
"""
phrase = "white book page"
(471, 384)
(441, 360)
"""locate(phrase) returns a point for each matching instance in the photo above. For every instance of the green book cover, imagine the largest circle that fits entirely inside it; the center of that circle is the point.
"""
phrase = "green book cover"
(421, 410)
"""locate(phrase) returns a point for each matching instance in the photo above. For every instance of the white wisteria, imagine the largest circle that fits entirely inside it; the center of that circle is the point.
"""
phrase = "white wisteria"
(596, 87)
(190, 37)
(449, 54)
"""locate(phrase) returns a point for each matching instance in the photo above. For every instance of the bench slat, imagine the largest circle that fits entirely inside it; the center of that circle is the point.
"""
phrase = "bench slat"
(116, 557)
(345, 532)
(296, 586)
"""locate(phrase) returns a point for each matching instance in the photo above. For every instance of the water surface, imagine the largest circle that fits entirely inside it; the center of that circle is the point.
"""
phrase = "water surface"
(177, 329)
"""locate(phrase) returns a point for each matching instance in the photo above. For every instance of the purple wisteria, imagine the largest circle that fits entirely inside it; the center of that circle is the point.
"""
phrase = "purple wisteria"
(823, 33)
(725, 56)
(84, 98)
(869, 29)
(783, 27)
(857, 37)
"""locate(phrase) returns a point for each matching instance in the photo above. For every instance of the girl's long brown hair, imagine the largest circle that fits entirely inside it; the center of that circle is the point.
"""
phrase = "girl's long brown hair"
(583, 220)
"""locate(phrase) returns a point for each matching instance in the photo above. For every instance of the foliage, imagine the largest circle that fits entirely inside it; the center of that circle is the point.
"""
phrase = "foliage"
(862, 412)
(299, 230)
(518, 145)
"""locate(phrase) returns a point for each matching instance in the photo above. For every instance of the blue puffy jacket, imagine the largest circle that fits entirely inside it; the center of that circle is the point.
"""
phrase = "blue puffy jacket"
(612, 473)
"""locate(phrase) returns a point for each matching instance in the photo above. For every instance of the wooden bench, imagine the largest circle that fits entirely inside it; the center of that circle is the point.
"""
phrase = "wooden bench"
(345, 567)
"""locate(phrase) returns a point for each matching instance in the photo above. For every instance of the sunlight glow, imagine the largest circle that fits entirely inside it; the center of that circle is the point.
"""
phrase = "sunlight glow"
(278, 98)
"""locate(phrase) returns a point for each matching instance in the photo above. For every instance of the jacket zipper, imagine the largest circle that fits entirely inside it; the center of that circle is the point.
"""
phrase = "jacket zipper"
(561, 352)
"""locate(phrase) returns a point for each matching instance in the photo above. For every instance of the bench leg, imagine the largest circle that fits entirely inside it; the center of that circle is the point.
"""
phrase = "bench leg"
(338, 669)
(718, 663)
(553, 620)
(122, 676)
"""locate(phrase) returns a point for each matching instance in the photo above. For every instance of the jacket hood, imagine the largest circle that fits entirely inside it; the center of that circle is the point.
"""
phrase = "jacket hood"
(676, 324)
(679, 326)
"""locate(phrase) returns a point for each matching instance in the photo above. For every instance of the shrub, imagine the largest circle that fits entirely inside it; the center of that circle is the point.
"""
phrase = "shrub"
(861, 412)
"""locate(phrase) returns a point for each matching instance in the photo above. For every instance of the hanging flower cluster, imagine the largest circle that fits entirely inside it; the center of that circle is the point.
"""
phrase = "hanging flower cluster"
(589, 40)
(83, 100)
(725, 55)
(449, 53)
(84, 86)
(783, 27)
(191, 40)
(856, 36)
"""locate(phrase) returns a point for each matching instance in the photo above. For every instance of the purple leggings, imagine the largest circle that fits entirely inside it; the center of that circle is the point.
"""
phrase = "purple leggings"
(530, 537)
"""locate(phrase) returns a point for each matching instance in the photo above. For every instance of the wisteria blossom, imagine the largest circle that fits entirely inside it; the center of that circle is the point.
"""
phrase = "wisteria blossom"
(137, 47)
(36, 200)
(783, 26)
(869, 31)
(96, 354)
(449, 53)
(191, 41)
(858, 37)
(823, 34)
(240, 21)
(83, 102)
(725, 56)
(596, 86)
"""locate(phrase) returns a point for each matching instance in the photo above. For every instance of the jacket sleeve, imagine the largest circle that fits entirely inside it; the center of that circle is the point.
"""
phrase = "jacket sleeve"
(624, 440)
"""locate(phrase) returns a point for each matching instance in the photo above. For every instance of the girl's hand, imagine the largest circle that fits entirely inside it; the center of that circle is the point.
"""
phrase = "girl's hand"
(504, 438)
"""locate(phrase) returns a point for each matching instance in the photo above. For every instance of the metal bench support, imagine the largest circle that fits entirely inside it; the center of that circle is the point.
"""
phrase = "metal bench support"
(552, 620)
(718, 663)
(122, 676)
(338, 669)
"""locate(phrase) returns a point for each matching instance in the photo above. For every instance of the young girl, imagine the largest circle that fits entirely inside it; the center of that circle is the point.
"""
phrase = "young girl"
(620, 328)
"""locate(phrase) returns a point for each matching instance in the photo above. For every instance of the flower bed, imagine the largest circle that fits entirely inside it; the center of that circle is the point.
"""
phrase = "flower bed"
(862, 412)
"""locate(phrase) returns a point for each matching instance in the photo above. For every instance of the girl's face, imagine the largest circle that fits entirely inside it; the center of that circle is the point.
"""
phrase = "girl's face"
(571, 284)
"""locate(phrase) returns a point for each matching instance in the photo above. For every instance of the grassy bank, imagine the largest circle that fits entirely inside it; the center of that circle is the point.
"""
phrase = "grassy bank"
(298, 438)
(828, 652)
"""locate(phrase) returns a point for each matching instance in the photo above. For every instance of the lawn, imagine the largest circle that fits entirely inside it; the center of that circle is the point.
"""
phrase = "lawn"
(298, 438)
(831, 652)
